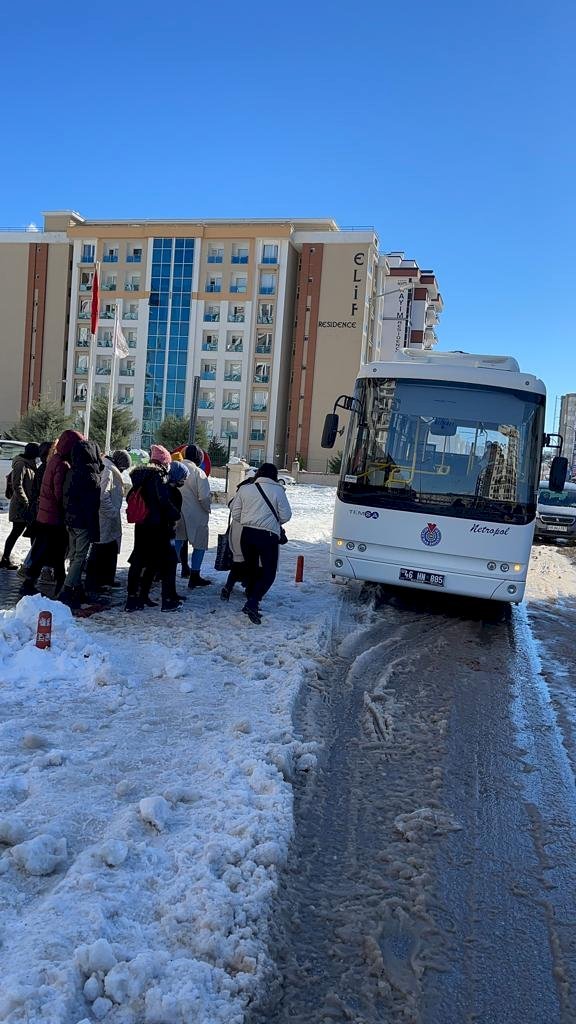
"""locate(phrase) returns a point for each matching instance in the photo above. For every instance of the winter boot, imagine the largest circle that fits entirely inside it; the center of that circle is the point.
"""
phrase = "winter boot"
(5, 563)
(70, 597)
(172, 604)
(225, 593)
(185, 573)
(196, 580)
(253, 614)
(28, 589)
(133, 603)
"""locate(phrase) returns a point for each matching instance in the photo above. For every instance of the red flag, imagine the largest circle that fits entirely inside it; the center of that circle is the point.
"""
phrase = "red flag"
(95, 303)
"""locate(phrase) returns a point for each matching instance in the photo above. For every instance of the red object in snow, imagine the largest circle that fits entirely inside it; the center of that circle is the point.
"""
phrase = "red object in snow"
(44, 630)
(299, 577)
(206, 464)
(95, 303)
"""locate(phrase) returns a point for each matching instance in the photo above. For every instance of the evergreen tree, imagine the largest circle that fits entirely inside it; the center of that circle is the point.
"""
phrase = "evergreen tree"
(44, 421)
(335, 463)
(218, 452)
(173, 432)
(123, 424)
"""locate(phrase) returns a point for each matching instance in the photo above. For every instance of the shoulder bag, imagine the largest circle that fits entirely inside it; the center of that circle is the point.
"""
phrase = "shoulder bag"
(283, 539)
(224, 558)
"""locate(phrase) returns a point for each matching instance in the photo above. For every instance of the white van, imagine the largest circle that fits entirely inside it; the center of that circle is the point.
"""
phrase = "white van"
(556, 513)
(8, 449)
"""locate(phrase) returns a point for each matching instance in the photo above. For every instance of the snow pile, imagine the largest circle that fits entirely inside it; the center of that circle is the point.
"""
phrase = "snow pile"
(146, 768)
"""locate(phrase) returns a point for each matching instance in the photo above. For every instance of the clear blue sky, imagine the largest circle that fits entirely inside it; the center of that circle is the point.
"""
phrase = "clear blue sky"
(448, 126)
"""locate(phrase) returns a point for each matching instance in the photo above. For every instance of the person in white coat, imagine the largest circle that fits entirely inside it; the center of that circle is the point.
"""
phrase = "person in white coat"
(103, 558)
(193, 525)
(260, 507)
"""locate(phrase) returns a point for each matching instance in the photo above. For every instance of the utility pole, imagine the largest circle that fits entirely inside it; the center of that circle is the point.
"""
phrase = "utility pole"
(194, 410)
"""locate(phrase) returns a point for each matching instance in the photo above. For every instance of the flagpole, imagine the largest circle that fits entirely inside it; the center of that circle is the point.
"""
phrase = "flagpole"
(108, 440)
(91, 355)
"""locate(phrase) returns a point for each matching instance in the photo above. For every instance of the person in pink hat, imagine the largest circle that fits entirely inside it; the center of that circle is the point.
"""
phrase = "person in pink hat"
(152, 509)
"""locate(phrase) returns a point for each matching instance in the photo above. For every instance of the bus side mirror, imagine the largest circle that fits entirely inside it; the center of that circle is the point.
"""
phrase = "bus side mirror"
(558, 473)
(330, 431)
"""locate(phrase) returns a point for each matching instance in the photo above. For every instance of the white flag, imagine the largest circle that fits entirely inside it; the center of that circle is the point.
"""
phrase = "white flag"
(120, 344)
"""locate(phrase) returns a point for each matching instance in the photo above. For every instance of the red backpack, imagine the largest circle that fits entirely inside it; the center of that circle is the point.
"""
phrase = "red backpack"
(136, 507)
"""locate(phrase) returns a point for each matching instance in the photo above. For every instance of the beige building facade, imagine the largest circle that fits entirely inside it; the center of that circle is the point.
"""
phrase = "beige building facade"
(34, 300)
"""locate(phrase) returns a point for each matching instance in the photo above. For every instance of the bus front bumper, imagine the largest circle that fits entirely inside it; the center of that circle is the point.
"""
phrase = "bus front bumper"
(491, 587)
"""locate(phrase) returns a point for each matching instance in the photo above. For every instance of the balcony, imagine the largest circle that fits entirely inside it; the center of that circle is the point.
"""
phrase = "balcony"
(209, 346)
(109, 286)
(230, 433)
(81, 370)
(238, 289)
(215, 257)
(257, 435)
(130, 315)
(230, 405)
(126, 400)
(236, 318)
(263, 350)
(132, 286)
(259, 408)
(265, 319)
(208, 375)
(83, 315)
(131, 344)
(233, 376)
(213, 287)
(212, 318)
(103, 371)
(104, 343)
(205, 403)
(129, 371)
(134, 258)
(270, 260)
(110, 258)
(266, 289)
(87, 257)
(261, 378)
(239, 259)
(86, 287)
(82, 343)
(106, 314)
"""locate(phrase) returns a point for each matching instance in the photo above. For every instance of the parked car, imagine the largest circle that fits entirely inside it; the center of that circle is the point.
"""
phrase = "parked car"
(285, 478)
(556, 513)
(8, 449)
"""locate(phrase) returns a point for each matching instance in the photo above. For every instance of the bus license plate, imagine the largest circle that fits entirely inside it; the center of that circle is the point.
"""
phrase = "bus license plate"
(433, 579)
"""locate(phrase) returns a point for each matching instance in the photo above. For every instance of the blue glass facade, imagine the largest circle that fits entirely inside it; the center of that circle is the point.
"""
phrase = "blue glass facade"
(168, 329)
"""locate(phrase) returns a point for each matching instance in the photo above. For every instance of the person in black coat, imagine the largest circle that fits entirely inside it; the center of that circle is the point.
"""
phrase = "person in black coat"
(81, 500)
(153, 552)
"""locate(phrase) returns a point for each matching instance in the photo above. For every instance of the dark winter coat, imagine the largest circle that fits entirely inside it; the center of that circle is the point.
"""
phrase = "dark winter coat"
(81, 493)
(23, 473)
(50, 504)
(152, 537)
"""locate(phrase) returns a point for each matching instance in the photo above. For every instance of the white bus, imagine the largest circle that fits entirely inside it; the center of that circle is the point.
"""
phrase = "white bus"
(440, 474)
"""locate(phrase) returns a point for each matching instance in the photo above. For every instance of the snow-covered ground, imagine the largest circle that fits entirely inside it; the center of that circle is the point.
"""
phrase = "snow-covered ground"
(145, 795)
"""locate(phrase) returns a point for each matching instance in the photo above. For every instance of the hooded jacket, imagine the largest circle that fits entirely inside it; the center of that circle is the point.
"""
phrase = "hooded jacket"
(81, 491)
(196, 501)
(111, 496)
(50, 503)
(23, 473)
(162, 510)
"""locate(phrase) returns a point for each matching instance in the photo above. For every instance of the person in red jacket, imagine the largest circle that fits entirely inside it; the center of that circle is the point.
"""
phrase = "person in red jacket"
(51, 539)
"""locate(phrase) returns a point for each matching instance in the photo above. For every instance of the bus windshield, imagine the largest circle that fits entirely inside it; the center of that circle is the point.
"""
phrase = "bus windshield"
(444, 448)
(560, 499)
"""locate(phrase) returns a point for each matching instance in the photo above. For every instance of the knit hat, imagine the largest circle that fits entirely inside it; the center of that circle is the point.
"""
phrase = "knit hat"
(121, 459)
(177, 473)
(176, 456)
(31, 451)
(159, 454)
(194, 454)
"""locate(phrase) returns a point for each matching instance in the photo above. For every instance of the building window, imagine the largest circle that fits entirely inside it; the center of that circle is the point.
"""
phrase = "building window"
(86, 280)
(109, 283)
(83, 337)
(258, 430)
(231, 400)
(213, 284)
(88, 253)
(110, 254)
(230, 429)
(134, 254)
(239, 284)
(232, 370)
(262, 373)
(130, 311)
(234, 343)
(207, 370)
(210, 342)
(269, 253)
(105, 337)
(132, 283)
(236, 314)
(212, 314)
(264, 343)
(215, 254)
(267, 284)
(239, 253)
(265, 313)
(260, 401)
(206, 399)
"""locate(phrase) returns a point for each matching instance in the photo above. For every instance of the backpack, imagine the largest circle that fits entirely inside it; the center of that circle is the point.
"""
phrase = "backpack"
(136, 508)
(9, 492)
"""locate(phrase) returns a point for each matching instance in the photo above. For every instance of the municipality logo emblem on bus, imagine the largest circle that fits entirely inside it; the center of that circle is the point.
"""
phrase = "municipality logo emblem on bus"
(431, 535)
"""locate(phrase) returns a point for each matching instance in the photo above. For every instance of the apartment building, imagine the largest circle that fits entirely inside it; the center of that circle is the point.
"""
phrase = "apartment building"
(408, 306)
(333, 331)
(34, 289)
(567, 428)
(212, 299)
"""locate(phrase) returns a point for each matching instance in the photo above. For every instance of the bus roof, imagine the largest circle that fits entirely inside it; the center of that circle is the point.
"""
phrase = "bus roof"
(418, 364)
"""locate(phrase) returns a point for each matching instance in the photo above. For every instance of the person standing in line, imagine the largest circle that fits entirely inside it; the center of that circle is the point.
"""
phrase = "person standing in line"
(260, 509)
(20, 513)
(81, 498)
(153, 551)
(45, 450)
(237, 573)
(196, 503)
(51, 540)
(103, 557)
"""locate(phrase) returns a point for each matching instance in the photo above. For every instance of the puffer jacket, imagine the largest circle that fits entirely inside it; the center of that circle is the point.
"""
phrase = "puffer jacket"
(23, 473)
(249, 508)
(81, 492)
(111, 495)
(50, 502)
(163, 511)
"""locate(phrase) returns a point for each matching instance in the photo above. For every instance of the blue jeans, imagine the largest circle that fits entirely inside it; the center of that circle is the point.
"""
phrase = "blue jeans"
(197, 555)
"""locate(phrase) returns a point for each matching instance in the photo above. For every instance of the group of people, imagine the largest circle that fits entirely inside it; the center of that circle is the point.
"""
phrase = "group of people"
(67, 498)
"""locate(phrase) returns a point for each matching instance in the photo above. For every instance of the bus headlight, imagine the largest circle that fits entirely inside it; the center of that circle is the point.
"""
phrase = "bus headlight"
(339, 543)
(517, 568)
(338, 563)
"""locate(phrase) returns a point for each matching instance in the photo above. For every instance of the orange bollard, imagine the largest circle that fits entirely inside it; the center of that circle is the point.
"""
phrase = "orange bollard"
(299, 569)
(44, 631)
